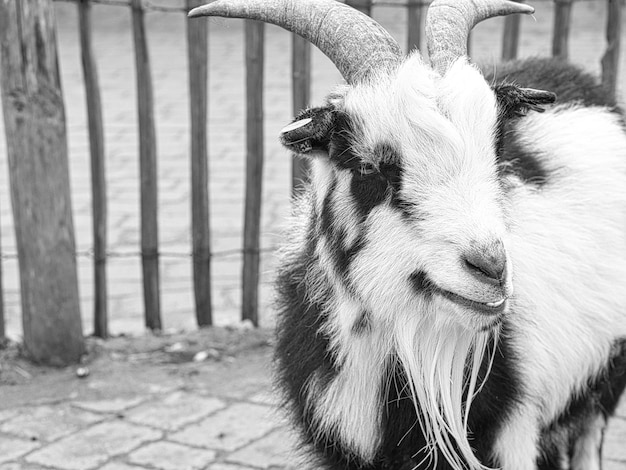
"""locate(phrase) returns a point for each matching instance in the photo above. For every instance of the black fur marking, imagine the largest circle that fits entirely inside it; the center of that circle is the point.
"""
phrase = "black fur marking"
(370, 188)
(612, 385)
(371, 183)
(386, 154)
(302, 348)
(341, 148)
(394, 174)
(515, 159)
(326, 217)
(362, 324)
(501, 392)
(368, 191)
(335, 235)
(391, 169)
(420, 282)
(345, 256)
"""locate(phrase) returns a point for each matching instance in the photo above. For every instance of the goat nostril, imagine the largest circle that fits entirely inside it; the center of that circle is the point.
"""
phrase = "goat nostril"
(490, 263)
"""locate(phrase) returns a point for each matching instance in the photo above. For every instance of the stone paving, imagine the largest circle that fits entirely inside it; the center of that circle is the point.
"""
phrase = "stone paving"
(154, 406)
(131, 413)
(155, 403)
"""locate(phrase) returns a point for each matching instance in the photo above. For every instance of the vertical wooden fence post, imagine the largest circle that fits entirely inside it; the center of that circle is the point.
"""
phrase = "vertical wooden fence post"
(148, 170)
(610, 59)
(98, 182)
(34, 119)
(2, 320)
(197, 49)
(364, 6)
(301, 95)
(562, 20)
(254, 169)
(510, 37)
(415, 12)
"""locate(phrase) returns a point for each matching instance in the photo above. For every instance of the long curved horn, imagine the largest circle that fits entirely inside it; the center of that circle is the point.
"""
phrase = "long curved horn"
(448, 23)
(354, 42)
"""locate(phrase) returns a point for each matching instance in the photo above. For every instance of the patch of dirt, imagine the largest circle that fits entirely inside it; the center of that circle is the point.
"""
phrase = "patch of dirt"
(208, 345)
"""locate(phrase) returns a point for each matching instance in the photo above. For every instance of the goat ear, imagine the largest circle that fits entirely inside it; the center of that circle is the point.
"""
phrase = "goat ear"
(309, 132)
(515, 101)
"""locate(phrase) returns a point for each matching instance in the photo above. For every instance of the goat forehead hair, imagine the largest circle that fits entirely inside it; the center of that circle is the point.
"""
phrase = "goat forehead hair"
(417, 109)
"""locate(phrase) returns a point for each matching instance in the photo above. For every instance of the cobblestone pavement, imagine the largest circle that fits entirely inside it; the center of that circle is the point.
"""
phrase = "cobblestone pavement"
(150, 403)
(201, 400)
(132, 413)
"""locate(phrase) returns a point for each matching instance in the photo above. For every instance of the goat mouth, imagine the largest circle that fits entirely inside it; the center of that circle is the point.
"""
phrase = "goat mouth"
(422, 283)
(488, 308)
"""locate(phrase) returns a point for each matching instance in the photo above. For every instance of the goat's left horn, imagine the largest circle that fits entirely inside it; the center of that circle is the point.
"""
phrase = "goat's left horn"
(449, 22)
(354, 42)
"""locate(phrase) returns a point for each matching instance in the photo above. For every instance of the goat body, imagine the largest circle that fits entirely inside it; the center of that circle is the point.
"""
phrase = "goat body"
(452, 291)
(348, 287)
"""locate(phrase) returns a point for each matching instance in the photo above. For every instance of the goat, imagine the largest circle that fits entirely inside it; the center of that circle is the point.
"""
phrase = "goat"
(452, 295)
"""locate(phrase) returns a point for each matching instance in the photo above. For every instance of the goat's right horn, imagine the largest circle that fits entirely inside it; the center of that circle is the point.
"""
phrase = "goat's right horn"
(449, 22)
(354, 42)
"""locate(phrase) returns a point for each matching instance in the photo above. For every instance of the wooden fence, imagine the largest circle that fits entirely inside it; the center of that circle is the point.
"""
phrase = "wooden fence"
(198, 74)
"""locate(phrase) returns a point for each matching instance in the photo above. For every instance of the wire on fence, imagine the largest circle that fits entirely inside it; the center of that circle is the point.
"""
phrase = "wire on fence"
(149, 6)
(163, 254)
(146, 5)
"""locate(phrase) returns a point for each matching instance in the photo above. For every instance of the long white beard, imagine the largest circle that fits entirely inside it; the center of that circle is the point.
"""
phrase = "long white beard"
(441, 363)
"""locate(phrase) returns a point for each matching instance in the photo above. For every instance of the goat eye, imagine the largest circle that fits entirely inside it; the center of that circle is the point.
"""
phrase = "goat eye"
(366, 169)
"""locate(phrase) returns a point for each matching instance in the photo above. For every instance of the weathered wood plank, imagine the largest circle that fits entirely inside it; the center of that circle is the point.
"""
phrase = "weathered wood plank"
(364, 6)
(301, 95)
(2, 319)
(148, 171)
(415, 15)
(610, 59)
(562, 22)
(510, 37)
(254, 169)
(98, 173)
(197, 49)
(34, 118)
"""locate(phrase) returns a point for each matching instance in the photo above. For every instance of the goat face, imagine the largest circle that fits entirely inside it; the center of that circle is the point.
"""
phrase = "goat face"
(407, 198)
(407, 225)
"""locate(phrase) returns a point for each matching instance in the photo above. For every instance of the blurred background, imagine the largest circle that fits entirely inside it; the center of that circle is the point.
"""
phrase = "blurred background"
(166, 23)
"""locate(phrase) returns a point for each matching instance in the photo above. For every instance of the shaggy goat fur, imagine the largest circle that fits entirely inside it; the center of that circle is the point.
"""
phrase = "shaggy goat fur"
(393, 354)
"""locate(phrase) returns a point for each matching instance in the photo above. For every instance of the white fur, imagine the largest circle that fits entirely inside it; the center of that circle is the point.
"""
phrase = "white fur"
(350, 406)
(569, 251)
(516, 446)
